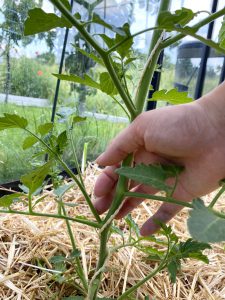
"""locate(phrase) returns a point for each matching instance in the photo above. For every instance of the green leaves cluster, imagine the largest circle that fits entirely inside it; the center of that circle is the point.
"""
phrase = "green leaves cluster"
(180, 17)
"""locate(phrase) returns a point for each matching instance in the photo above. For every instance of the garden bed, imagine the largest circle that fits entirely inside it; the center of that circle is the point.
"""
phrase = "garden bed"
(29, 243)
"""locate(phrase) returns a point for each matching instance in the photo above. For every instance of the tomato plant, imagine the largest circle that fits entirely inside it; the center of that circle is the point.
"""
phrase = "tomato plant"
(206, 225)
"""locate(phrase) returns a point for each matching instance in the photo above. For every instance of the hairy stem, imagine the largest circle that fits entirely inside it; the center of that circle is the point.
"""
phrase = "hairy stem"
(55, 216)
(158, 198)
(160, 267)
(205, 41)
(103, 254)
(154, 51)
(215, 199)
(79, 268)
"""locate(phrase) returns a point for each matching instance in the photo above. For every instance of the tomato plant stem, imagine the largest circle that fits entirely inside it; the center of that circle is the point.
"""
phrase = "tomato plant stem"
(79, 268)
(55, 216)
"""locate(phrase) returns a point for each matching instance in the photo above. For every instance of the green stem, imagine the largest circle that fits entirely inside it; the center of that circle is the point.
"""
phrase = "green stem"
(79, 269)
(160, 267)
(207, 42)
(121, 189)
(69, 16)
(169, 200)
(30, 203)
(75, 156)
(103, 254)
(104, 55)
(128, 38)
(158, 198)
(36, 214)
(71, 174)
(154, 51)
(123, 108)
(129, 104)
(200, 24)
(215, 199)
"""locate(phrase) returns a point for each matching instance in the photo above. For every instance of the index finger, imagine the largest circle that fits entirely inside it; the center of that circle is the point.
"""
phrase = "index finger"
(126, 142)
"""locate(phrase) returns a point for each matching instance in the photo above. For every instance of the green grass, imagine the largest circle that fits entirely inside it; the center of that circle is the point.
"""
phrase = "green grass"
(14, 161)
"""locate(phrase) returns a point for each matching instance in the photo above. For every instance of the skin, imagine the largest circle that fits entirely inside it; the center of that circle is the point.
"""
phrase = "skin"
(191, 135)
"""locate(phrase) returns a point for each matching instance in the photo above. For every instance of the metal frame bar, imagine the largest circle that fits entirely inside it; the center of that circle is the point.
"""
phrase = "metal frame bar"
(56, 96)
(155, 84)
(222, 74)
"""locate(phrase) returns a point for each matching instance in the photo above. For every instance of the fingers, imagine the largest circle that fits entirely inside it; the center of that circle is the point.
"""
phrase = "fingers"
(165, 213)
(104, 189)
(132, 202)
(106, 181)
(128, 141)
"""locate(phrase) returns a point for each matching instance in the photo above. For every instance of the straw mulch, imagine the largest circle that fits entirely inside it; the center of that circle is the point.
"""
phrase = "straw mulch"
(29, 243)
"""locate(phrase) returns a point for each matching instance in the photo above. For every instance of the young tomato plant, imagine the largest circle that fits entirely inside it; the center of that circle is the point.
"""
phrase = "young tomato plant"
(115, 58)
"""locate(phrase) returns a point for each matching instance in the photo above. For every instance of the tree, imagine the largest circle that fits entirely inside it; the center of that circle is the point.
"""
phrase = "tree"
(11, 32)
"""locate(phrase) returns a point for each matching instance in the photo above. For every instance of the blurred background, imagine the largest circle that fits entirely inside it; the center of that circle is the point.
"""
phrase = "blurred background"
(28, 88)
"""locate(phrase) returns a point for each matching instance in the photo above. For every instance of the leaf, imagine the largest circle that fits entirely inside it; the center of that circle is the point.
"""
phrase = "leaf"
(153, 175)
(87, 80)
(61, 190)
(40, 21)
(66, 4)
(130, 60)
(12, 121)
(35, 178)
(191, 246)
(45, 128)
(204, 225)
(8, 200)
(193, 249)
(221, 37)
(132, 225)
(97, 20)
(168, 20)
(62, 141)
(78, 119)
(106, 84)
(173, 267)
(110, 42)
(29, 142)
(77, 16)
(75, 253)
(172, 96)
(90, 55)
(124, 48)
(115, 229)
(59, 263)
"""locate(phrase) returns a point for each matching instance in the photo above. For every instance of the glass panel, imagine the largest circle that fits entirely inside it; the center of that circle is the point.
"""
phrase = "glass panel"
(181, 62)
(27, 86)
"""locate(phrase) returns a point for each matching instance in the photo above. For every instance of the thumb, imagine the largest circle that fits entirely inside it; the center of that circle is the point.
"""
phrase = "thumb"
(128, 141)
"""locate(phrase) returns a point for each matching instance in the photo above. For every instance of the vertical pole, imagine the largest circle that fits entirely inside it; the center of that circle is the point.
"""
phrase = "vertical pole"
(56, 96)
(222, 74)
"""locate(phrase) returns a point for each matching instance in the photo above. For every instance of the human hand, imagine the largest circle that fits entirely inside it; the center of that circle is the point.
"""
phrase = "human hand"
(185, 135)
